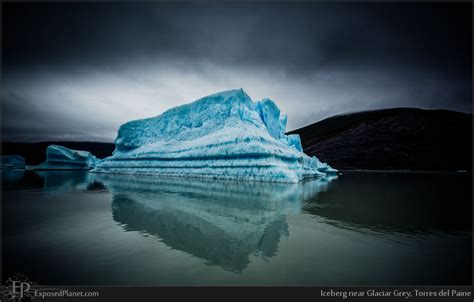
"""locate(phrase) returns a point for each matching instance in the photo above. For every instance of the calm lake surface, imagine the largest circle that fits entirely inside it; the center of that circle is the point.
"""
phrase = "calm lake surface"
(81, 228)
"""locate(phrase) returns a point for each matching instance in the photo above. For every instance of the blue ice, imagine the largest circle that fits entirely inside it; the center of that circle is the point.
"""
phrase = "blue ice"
(225, 135)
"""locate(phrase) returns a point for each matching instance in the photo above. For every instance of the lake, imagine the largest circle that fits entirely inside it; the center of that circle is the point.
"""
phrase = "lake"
(82, 228)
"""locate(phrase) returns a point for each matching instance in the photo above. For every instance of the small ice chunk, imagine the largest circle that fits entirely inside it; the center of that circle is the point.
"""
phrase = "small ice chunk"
(13, 162)
(62, 158)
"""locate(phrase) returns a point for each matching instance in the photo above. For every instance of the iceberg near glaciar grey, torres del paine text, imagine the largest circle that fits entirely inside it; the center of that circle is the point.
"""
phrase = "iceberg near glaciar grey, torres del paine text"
(224, 135)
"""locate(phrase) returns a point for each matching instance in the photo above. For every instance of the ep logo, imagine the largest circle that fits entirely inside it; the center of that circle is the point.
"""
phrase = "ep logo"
(20, 288)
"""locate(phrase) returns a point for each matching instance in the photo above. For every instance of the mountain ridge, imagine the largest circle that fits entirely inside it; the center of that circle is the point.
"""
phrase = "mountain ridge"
(392, 139)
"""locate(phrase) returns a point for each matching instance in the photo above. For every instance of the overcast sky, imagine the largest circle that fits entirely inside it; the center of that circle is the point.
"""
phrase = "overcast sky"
(76, 71)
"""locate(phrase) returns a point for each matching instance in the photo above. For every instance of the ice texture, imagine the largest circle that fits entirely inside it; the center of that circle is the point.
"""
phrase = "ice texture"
(325, 168)
(225, 135)
(293, 140)
(13, 162)
(62, 158)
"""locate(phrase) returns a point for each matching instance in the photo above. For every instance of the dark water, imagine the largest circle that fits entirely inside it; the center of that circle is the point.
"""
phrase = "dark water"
(80, 228)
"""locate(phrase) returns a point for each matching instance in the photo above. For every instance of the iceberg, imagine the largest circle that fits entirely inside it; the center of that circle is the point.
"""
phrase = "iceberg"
(62, 158)
(225, 135)
(13, 162)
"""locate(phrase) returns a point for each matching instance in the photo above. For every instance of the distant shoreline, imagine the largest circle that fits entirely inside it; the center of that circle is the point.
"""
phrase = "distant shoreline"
(461, 172)
(340, 172)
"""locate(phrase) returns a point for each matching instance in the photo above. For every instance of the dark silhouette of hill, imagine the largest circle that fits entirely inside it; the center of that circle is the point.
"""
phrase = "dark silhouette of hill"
(35, 153)
(392, 139)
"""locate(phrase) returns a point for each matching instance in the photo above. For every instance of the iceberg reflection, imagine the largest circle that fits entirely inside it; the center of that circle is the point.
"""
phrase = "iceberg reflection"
(12, 176)
(64, 181)
(222, 222)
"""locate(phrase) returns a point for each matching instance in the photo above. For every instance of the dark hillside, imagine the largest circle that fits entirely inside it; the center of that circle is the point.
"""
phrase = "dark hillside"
(392, 139)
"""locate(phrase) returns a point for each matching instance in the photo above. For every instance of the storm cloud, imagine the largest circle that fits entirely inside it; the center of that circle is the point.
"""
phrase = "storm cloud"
(76, 71)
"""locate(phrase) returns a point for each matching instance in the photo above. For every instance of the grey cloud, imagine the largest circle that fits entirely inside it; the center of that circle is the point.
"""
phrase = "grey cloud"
(82, 69)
